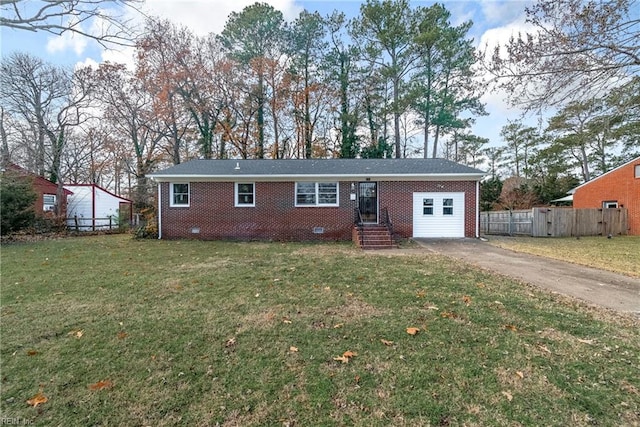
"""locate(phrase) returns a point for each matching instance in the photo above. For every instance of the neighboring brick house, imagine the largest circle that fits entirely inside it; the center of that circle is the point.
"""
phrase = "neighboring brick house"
(46, 191)
(316, 199)
(618, 188)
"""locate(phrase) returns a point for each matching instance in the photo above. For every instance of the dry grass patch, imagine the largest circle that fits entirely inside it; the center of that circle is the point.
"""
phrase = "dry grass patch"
(621, 254)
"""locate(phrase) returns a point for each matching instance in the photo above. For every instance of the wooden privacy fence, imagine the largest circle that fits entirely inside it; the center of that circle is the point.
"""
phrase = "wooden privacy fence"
(555, 222)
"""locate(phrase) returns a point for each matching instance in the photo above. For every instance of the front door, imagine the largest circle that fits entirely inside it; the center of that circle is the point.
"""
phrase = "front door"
(368, 201)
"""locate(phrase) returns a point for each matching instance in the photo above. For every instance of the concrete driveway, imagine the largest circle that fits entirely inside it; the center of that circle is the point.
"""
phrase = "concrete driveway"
(603, 288)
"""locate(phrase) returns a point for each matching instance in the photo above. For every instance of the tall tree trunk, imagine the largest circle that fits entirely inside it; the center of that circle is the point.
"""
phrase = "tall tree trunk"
(396, 117)
(444, 97)
(307, 113)
(260, 118)
(39, 164)
(427, 110)
(3, 135)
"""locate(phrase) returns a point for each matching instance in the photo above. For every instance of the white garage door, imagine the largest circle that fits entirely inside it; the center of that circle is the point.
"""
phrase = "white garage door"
(438, 214)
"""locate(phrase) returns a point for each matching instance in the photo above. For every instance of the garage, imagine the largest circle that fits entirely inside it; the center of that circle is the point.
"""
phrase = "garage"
(438, 214)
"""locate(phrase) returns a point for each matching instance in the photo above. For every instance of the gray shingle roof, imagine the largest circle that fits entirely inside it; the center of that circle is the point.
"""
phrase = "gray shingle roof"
(350, 169)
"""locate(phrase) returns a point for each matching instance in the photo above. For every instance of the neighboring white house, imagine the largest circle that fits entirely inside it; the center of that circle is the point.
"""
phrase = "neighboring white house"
(91, 207)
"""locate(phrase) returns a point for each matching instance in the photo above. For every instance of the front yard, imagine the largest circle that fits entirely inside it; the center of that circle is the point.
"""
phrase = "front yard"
(620, 254)
(112, 331)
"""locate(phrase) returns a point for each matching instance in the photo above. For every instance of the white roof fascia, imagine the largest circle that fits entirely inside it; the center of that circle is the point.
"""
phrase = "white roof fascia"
(313, 178)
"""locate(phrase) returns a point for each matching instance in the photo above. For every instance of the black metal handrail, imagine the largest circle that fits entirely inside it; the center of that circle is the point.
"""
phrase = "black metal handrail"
(357, 222)
(357, 217)
(386, 220)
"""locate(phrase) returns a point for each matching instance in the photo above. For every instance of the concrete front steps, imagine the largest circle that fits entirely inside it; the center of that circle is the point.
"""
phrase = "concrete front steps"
(373, 236)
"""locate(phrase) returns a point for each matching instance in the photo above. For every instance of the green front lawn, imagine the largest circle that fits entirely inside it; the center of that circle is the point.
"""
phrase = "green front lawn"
(114, 331)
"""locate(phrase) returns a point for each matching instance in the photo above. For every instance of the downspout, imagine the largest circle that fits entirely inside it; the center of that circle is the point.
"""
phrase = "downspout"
(477, 209)
(93, 206)
(159, 210)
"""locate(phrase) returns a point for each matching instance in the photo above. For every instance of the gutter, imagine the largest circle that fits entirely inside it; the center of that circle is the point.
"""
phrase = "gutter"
(312, 177)
(477, 209)
(93, 207)
(159, 211)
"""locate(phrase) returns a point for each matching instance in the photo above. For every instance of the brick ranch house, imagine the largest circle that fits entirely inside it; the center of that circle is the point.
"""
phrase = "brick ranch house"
(618, 188)
(316, 199)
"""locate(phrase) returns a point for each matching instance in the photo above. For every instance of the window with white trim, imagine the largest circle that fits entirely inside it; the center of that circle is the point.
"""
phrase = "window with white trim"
(427, 206)
(637, 173)
(179, 196)
(610, 204)
(447, 206)
(316, 194)
(48, 202)
(245, 194)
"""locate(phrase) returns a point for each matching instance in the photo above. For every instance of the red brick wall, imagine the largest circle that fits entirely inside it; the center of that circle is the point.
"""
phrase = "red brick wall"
(275, 216)
(618, 185)
(41, 188)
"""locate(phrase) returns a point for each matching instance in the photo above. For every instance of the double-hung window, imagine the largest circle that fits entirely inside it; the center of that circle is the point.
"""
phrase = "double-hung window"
(447, 206)
(48, 202)
(427, 206)
(179, 196)
(245, 194)
(316, 194)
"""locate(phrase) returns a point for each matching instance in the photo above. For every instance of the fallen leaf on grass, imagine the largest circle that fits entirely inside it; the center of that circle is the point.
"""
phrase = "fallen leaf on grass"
(101, 385)
(346, 356)
(338, 326)
(421, 294)
(230, 342)
(448, 315)
(38, 399)
(507, 395)
(293, 349)
(520, 374)
(31, 353)
(122, 335)
(467, 300)
(286, 320)
(412, 331)
(386, 342)
(78, 333)
(585, 341)
(510, 327)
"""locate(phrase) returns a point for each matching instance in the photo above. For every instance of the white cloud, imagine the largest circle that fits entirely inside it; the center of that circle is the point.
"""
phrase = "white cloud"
(88, 62)
(67, 41)
(200, 16)
(206, 16)
(121, 55)
(499, 11)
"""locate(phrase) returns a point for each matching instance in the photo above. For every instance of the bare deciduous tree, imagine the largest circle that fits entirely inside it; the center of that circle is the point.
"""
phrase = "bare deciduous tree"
(107, 26)
(576, 50)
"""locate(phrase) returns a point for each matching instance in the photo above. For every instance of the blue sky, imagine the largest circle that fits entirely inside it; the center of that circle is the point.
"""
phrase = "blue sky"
(494, 21)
